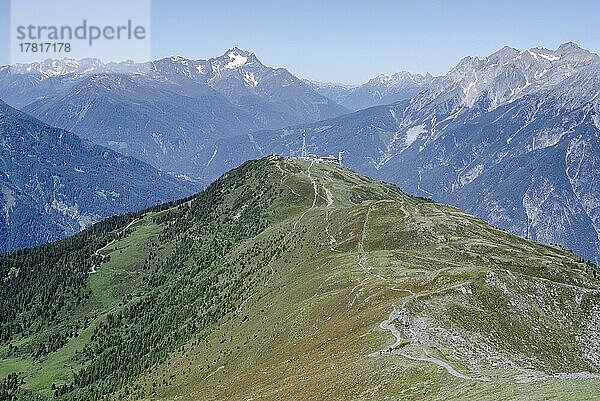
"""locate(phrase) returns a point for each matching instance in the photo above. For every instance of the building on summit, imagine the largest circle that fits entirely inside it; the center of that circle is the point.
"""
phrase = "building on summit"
(319, 159)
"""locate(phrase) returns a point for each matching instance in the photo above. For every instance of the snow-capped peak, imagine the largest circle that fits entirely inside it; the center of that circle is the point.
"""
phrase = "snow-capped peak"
(236, 60)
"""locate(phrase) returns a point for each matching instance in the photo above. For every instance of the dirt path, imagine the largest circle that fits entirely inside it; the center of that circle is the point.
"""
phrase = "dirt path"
(97, 252)
(440, 363)
(389, 325)
(215, 372)
(329, 196)
(314, 184)
(361, 259)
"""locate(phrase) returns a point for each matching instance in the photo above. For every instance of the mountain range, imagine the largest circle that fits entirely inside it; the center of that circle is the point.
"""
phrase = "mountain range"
(54, 184)
(292, 280)
(163, 112)
(381, 90)
(513, 138)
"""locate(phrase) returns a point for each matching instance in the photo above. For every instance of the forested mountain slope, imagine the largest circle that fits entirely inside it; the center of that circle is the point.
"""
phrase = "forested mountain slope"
(54, 184)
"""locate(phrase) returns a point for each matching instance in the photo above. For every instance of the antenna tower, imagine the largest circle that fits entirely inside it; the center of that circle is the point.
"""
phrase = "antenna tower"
(304, 145)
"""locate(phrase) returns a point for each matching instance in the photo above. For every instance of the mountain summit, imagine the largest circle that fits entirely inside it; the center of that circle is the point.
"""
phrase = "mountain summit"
(235, 58)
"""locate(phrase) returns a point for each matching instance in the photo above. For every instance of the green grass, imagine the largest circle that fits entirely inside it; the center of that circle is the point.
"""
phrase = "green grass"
(14, 365)
(309, 336)
(116, 278)
(124, 271)
(56, 368)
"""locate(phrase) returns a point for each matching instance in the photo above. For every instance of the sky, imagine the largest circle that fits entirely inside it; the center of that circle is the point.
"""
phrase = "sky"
(351, 41)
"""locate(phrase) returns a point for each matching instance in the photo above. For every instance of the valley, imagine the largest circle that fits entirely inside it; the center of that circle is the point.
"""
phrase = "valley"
(54, 184)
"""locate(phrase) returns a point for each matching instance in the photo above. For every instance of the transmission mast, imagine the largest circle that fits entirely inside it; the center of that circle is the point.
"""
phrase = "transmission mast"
(304, 153)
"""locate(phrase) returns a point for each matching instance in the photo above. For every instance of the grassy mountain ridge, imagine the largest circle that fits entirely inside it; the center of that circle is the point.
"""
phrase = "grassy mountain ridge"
(291, 280)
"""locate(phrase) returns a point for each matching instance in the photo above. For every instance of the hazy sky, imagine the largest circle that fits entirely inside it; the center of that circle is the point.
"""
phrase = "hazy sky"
(352, 41)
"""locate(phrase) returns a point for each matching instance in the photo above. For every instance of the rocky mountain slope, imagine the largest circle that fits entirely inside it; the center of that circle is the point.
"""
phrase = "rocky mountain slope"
(54, 184)
(165, 111)
(513, 138)
(381, 90)
(289, 280)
